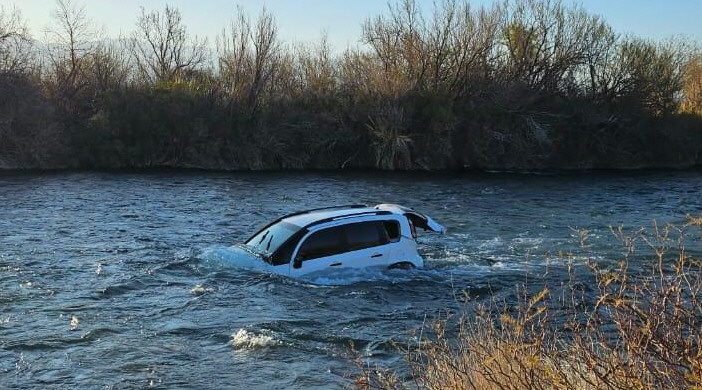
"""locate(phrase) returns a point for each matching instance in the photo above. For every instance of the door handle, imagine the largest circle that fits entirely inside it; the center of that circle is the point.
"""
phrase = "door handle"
(334, 264)
(376, 255)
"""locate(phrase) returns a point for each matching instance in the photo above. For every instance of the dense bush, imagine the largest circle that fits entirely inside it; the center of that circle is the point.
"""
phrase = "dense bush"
(529, 84)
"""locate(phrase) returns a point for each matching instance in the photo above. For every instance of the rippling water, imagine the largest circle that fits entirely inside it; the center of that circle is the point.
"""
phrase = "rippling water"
(108, 280)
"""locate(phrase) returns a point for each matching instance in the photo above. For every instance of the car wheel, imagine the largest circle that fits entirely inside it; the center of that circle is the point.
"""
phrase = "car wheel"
(402, 265)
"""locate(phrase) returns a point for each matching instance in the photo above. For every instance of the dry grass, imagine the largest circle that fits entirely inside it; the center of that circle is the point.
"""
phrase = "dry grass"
(642, 330)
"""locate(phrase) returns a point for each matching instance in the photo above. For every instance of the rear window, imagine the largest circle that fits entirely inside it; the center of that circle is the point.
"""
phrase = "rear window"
(392, 230)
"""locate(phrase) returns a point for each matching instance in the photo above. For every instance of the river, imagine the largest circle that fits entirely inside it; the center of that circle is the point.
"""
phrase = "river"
(107, 280)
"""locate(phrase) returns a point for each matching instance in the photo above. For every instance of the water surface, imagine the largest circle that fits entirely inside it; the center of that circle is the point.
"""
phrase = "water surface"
(108, 280)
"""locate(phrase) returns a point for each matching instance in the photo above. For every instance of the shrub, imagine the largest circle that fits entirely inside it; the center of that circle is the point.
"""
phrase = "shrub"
(642, 330)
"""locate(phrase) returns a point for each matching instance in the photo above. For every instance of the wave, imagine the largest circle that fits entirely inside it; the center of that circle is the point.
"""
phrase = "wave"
(246, 340)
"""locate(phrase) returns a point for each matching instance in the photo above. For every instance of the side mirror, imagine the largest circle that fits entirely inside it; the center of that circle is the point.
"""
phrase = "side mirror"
(297, 263)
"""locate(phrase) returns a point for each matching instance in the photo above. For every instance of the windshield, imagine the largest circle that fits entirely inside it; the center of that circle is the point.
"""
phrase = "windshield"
(271, 238)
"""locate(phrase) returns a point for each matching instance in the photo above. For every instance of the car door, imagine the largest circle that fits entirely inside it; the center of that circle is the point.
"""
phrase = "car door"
(368, 245)
(320, 250)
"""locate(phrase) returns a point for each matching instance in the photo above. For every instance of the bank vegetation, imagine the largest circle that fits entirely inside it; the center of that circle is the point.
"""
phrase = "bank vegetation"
(519, 85)
(633, 324)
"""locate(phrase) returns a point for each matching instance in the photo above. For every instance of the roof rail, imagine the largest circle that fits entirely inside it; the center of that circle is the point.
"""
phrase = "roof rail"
(348, 206)
(330, 219)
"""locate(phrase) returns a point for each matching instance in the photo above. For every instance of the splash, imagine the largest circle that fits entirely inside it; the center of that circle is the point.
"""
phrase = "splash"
(243, 339)
(348, 276)
(199, 289)
(217, 257)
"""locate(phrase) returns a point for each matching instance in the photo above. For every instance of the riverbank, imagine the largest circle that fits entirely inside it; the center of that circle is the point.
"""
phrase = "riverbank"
(524, 86)
(620, 326)
(167, 128)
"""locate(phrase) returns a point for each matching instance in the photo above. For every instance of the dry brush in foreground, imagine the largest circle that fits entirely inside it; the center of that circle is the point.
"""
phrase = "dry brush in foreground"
(637, 328)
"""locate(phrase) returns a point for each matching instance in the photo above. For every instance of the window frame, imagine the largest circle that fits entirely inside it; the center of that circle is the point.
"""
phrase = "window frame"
(275, 258)
(399, 230)
(304, 240)
(344, 242)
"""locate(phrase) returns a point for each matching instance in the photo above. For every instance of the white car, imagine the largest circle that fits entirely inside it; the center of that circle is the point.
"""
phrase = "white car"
(356, 236)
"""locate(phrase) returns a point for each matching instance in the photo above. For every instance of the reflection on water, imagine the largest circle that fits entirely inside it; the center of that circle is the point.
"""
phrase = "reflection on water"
(113, 280)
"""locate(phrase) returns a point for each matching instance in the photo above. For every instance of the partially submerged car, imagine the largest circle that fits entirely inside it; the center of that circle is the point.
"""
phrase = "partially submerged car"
(355, 236)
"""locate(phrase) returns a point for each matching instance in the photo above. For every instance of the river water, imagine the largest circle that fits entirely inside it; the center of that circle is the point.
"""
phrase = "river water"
(108, 280)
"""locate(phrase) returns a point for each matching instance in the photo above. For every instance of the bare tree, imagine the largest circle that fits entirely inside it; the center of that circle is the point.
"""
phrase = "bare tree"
(398, 40)
(462, 42)
(71, 39)
(250, 58)
(652, 73)
(15, 43)
(162, 49)
(317, 68)
(234, 52)
(266, 52)
(601, 77)
(447, 52)
(109, 67)
(692, 86)
(544, 41)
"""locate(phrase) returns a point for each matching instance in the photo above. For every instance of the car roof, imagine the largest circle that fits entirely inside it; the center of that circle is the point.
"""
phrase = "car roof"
(305, 218)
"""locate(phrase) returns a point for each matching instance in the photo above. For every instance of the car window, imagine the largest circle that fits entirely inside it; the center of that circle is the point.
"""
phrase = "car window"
(323, 243)
(412, 228)
(285, 251)
(392, 230)
(364, 235)
(269, 239)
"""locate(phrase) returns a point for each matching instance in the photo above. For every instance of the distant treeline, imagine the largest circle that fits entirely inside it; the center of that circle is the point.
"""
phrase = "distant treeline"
(521, 85)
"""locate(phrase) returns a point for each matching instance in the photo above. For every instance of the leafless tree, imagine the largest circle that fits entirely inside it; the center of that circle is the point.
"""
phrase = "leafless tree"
(652, 73)
(317, 68)
(109, 66)
(462, 42)
(398, 41)
(250, 57)
(15, 43)
(602, 75)
(71, 39)
(234, 52)
(544, 41)
(162, 49)
(447, 52)
(692, 85)
(266, 47)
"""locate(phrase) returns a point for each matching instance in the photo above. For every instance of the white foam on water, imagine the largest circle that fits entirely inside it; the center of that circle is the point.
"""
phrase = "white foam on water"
(233, 256)
(199, 289)
(347, 276)
(437, 264)
(238, 258)
(244, 339)
(492, 243)
(528, 241)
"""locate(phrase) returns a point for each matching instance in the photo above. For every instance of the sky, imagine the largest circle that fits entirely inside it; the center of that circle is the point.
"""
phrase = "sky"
(305, 20)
